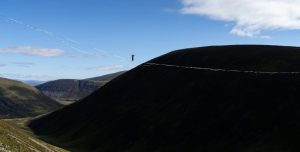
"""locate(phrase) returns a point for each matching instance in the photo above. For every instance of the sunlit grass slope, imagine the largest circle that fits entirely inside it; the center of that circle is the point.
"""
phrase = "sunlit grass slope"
(20, 100)
(14, 138)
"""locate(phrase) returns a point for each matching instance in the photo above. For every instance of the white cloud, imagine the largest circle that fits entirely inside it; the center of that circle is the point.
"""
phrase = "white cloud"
(28, 50)
(107, 68)
(250, 17)
(23, 64)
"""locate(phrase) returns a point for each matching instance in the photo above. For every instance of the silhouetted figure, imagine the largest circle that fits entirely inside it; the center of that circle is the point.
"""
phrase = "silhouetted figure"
(132, 57)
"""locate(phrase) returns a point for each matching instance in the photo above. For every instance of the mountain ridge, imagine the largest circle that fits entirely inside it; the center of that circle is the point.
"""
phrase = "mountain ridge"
(73, 89)
(157, 108)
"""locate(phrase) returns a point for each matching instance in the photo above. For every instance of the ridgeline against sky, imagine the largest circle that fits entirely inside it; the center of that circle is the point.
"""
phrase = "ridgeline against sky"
(44, 40)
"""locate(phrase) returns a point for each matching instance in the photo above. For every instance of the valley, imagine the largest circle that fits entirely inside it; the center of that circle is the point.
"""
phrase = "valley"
(150, 76)
(16, 137)
(20, 103)
(219, 98)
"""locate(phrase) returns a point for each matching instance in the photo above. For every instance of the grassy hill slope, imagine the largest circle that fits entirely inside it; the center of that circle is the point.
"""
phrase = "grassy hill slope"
(20, 100)
(15, 139)
(160, 108)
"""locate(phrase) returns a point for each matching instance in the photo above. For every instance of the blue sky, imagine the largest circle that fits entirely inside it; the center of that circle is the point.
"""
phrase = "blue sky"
(52, 39)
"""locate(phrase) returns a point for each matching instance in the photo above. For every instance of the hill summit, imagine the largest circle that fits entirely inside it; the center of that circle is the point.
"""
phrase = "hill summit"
(182, 101)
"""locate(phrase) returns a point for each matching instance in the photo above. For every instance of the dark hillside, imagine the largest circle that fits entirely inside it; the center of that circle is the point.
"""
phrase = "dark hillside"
(241, 57)
(159, 108)
(73, 90)
(69, 89)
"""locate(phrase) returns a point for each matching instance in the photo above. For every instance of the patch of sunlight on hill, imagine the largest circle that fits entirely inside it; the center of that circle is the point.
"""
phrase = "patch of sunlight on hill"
(14, 137)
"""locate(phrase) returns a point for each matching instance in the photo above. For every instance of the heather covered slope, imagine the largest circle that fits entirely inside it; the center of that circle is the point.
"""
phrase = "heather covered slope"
(72, 90)
(162, 108)
(240, 57)
(20, 100)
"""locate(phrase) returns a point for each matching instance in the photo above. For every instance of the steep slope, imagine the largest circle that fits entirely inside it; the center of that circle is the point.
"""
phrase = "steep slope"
(20, 100)
(173, 107)
(13, 138)
(70, 89)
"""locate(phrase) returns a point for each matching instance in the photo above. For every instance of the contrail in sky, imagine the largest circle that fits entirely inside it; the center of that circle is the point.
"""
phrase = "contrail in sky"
(70, 43)
(67, 42)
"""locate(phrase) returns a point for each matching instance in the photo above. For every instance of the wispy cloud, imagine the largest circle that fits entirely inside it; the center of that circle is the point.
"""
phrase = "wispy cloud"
(68, 42)
(23, 64)
(80, 49)
(107, 68)
(32, 51)
(250, 17)
(27, 77)
(44, 31)
(2, 65)
(72, 41)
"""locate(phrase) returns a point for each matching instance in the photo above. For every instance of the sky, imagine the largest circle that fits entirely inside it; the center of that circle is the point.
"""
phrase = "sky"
(76, 39)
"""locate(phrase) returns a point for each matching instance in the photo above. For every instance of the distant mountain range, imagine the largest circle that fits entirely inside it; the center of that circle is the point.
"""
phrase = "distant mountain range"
(33, 82)
(20, 100)
(185, 103)
(69, 90)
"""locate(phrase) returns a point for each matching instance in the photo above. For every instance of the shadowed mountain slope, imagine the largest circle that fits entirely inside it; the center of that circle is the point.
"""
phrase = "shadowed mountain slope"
(20, 100)
(161, 108)
(71, 89)
(107, 78)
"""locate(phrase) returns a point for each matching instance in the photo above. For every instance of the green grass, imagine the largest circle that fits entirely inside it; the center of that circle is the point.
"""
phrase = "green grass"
(15, 137)
(20, 100)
